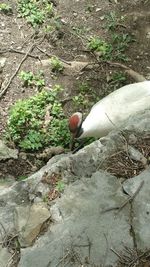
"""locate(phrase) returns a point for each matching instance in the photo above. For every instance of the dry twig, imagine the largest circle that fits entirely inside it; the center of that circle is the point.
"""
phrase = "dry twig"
(133, 74)
(16, 71)
(51, 55)
(129, 199)
(12, 50)
(20, 64)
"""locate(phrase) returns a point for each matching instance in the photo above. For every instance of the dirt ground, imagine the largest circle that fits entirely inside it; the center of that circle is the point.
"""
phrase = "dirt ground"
(78, 21)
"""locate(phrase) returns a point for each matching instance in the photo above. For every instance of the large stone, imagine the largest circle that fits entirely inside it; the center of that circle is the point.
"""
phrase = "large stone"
(6, 220)
(141, 208)
(84, 231)
(29, 220)
(6, 152)
(77, 216)
(5, 257)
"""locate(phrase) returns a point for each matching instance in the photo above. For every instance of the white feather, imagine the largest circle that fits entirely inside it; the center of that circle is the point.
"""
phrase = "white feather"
(115, 108)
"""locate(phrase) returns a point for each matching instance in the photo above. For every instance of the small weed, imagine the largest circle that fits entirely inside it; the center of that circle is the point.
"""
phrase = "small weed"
(113, 21)
(27, 120)
(105, 49)
(56, 22)
(49, 11)
(115, 50)
(80, 30)
(21, 178)
(80, 100)
(116, 80)
(29, 79)
(120, 43)
(5, 8)
(118, 77)
(84, 87)
(26, 77)
(29, 9)
(85, 98)
(60, 186)
(57, 65)
(35, 12)
(45, 199)
(48, 29)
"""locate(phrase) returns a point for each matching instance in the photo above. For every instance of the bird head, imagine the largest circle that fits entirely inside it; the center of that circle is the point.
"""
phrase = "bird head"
(75, 124)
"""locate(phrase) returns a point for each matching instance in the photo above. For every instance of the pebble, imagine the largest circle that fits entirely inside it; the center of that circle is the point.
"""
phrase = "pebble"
(98, 9)
(2, 62)
(102, 17)
(75, 14)
(132, 139)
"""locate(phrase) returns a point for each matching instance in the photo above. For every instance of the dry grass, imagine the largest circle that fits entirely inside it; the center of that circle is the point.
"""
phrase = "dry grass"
(122, 165)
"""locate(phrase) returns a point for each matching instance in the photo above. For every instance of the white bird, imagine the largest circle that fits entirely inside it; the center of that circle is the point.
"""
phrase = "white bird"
(111, 111)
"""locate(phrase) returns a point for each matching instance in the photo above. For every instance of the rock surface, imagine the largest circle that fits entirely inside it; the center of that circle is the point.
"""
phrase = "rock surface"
(84, 225)
(5, 256)
(29, 221)
(6, 152)
(141, 208)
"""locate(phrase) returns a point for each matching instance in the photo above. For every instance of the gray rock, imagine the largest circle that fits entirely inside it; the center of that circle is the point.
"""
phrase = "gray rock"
(29, 220)
(82, 221)
(139, 122)
(6, 152)
(136, 155)
(5, 257)
(6, 220)
(2, 63)
(141, 208)
(77, 217)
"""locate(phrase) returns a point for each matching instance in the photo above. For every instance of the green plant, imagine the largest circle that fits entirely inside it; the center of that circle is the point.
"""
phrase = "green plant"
(35, 12)
(26, 77)
(49, 29)
(57, 65)
(80, 100)
(115, 50)
(60, 186)
(45, 198)
(118, 77)
(111, 20)
(30, 10)
(22, 177)
(29, 79)
(49, 9)
(84, 87)
(105, 49)
(38, 121)
(5, 8)
(85, 98)
(120, 43)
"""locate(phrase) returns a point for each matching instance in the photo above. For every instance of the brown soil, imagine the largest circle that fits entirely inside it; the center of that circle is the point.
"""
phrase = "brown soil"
(87, 19)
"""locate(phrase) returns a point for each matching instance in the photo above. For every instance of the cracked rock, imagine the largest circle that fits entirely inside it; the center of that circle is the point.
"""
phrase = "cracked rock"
(141, 208)
(82, 222)
(29, 220)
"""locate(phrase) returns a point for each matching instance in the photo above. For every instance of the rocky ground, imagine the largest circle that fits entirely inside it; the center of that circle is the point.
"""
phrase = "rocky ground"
(95, 219)
(82, 209)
